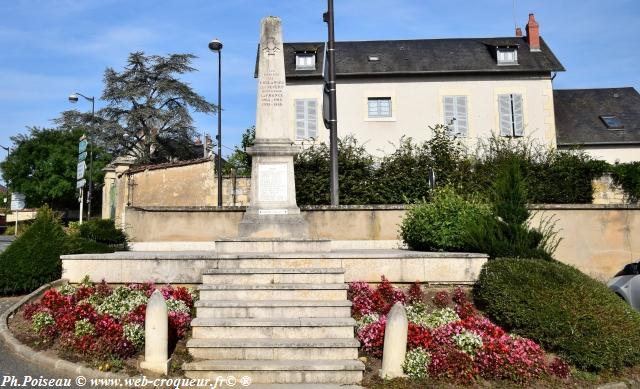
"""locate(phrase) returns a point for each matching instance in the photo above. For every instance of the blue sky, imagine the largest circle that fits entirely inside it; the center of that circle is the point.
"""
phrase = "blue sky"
(50, 48)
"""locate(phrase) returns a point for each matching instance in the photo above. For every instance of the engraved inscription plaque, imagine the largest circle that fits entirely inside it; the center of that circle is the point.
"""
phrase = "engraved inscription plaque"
(272, 182)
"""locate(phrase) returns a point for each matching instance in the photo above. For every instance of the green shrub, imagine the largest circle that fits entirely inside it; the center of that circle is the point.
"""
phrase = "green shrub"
(561, 308)
(505, 232)
(33, 258)
(441, 224)
(627, 177)
(103, 231)
(76, 244)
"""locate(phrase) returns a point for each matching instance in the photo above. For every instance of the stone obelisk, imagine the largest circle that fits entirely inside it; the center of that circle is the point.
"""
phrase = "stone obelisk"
(272, 212)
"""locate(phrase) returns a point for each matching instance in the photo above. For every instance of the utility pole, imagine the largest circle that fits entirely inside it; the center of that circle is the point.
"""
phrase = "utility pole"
(328, 17)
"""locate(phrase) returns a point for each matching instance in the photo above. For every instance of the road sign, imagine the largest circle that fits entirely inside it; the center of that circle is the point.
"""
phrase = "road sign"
(82, 156)
(82, 146)
(81, 183)
(17, 201)
(81, 168)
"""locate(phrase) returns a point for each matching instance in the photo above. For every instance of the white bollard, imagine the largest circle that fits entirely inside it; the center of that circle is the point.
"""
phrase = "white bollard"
(156, 335)
(395, 343)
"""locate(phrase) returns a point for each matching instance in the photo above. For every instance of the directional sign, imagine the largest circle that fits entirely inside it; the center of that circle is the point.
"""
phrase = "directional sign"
(82, 156)
(82, 146)
(81, 168)
(81, 183)
(17, 201)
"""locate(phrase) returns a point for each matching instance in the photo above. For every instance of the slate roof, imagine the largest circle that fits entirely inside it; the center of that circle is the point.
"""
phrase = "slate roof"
(578, 114)
(423, 57)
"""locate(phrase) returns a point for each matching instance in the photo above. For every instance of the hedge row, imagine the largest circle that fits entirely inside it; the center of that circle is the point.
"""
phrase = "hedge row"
(558, 177)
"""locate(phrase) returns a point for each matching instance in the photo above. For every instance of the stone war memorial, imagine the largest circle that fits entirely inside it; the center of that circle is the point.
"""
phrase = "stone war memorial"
(273, 295)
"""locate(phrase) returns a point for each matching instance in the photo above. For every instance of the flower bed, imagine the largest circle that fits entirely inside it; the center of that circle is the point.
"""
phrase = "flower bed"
(103, 323)
(448, 339)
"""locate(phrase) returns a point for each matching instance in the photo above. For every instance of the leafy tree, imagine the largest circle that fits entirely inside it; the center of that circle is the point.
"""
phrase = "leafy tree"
(240, 160)
(148, 112)
(43, 165)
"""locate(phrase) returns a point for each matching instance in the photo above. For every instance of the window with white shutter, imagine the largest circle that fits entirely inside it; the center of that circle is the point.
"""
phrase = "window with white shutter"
(511, 115)
(455, 115)
(306, 118)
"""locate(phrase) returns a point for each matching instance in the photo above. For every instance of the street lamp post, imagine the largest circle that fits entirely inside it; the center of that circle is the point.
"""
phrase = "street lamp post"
(73, 98)
(216, 46)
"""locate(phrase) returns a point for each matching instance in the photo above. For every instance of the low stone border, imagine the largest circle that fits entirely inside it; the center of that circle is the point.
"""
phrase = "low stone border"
(39, 357)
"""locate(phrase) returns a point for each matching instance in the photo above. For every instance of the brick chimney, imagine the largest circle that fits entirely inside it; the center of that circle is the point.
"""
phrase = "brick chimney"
(518, 32)
(533, 33)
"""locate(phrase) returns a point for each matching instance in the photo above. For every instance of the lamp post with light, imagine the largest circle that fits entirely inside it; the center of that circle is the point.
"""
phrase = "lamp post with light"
(73, 98)
(216, 46)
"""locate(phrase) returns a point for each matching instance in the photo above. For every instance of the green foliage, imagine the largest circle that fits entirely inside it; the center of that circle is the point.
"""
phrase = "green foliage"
(43, 167)
(103, 231)
(76, 244)
(240, 160)
(627, 177)
(561, 308)
(356, 174)
(402, 177)
(33, 259)
(441, 224)
(416, 362)
(505, 232)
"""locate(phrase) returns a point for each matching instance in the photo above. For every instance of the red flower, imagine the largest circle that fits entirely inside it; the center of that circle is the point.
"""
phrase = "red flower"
(441, 299)
(415, 293)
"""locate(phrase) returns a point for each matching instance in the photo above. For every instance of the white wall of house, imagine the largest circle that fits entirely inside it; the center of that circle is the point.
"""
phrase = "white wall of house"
(613, 154)
(418, 102)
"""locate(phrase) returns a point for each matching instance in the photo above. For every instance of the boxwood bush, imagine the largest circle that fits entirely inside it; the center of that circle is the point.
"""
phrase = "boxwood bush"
(441, 224)
(33, 258)
(563, 309)
(103, 231)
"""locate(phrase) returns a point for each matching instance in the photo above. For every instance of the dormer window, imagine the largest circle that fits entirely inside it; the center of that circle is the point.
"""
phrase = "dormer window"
(305, 61)
(507, 56)
(612, 122)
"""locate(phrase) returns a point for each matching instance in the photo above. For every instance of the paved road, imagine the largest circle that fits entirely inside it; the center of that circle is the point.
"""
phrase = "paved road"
(4, 242)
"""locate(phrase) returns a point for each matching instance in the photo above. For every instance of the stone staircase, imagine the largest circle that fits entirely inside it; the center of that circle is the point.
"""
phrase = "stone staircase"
(281, 327)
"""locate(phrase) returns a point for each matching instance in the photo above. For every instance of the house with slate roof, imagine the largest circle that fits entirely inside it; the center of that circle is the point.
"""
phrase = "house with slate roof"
(389, 89)
(603, 122)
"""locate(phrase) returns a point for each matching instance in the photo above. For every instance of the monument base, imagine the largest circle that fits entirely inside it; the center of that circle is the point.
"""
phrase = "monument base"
(272, 246)
(259, 224)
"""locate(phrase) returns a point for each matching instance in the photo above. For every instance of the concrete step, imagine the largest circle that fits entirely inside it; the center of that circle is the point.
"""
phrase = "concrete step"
(310, 328)
(265, 261)
(282, 372)
(273, 276)
(272, 308)
(274, 349)
(274, 292)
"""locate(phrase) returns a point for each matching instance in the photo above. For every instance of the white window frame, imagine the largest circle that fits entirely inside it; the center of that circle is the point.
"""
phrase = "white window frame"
(306, 127)
(511, 114)
(305, 61)
(456, 118)
(507, 56)
(378, 111)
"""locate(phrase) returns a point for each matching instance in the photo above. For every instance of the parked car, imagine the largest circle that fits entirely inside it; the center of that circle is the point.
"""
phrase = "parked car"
(626, 284)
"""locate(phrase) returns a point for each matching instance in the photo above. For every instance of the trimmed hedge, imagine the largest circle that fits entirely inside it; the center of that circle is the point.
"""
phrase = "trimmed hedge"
(103, 231)
(563, 309)
(441, 224)
(33, 258)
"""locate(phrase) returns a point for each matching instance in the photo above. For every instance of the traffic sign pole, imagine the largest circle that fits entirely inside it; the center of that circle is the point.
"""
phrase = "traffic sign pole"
(81, 203)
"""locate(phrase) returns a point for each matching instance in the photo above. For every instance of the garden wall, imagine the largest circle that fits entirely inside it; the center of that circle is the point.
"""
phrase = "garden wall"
(598, 239)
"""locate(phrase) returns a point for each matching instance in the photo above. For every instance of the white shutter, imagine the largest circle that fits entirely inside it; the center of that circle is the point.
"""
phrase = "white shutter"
(461, 122)
(506, 122)
(300, 119)
(311, 119)
(449, 112)
(518, 115)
